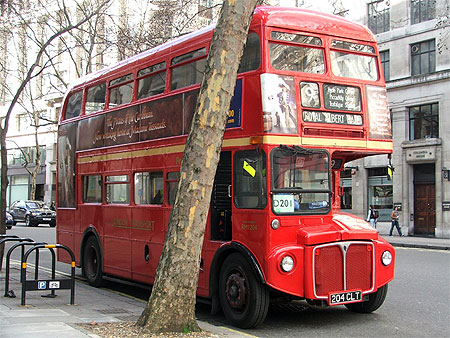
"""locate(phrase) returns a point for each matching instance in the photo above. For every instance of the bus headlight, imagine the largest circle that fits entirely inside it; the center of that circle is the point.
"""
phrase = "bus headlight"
(386, 258)
(287, 263)
(275, 224)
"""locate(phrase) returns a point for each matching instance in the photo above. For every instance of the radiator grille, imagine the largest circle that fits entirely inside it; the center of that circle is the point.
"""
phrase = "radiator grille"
(329, 270)
(344, 266)
(359, 266)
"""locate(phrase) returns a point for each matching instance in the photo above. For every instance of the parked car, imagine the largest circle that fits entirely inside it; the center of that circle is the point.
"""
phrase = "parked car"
(9, 221)
(32, 213)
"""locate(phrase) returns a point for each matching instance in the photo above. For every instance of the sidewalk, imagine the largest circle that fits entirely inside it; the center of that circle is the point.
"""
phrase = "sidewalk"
(54, 317)
(411, 241)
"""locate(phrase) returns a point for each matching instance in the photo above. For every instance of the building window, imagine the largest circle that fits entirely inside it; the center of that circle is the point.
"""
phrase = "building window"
(380, 192)
(385, 63)
(22, 122)
(422, 10)
(379, 16)
(423, 57)
(424, 121)
(346, 184)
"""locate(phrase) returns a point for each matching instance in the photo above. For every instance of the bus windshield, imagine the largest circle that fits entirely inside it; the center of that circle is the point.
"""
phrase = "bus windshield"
(300, 180)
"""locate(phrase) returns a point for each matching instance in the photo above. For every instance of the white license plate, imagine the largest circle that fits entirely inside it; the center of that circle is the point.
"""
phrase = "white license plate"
(345, 297)
(46, 219)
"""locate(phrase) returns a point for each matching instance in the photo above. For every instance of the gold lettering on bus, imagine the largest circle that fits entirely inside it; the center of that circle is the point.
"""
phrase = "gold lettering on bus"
(249, 225)
(135, 224)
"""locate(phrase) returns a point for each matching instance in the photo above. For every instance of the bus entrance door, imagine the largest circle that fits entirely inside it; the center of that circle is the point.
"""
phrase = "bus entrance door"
(221, 200)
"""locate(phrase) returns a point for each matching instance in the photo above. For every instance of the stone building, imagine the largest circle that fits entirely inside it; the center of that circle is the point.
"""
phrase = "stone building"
(414, 42)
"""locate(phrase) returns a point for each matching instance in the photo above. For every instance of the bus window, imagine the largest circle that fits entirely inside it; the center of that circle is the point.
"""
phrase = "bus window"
(152, 81)
(172, 184)
(297, 58)
(300, 180)
(250, 186)
(148, 188)
(92, 189)
(189, 73)
(121, 90)
(117, 189)
(251, 58)
(95, 99)
(73, 108)
(355, 66)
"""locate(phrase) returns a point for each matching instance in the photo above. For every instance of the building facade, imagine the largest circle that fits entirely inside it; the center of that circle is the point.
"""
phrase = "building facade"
(414, 43)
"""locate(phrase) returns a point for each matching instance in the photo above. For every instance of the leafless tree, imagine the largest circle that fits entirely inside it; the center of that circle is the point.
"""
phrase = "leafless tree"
(15, 15)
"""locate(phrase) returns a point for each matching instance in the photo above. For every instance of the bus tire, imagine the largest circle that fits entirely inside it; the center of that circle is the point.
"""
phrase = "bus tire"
(244, 299)
(376, 299)
(92, 262)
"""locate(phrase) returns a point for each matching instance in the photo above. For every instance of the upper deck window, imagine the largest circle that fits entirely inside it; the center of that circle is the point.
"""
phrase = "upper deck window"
(73, 108)
(355, 66)
(188, 73)
(152, 80)
(251, 58)
(294, 57)
(354, 47)
(297, 38)
(95, 100)
(120, 90)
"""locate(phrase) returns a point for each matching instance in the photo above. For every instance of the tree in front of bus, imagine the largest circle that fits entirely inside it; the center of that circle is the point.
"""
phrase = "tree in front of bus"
(171, 306)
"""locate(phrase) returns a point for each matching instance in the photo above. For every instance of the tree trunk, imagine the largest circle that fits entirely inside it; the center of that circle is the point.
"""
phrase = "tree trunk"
(171, 306)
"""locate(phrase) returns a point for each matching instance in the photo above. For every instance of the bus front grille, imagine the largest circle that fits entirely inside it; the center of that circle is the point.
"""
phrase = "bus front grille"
(342, 266)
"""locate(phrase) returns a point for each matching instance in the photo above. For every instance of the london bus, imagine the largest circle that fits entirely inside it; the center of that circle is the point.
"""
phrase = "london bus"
(309, 97)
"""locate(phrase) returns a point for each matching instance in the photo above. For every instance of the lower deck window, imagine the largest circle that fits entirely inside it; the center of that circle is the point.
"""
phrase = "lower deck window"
(148, 188)
(92, 189)
(117, 189)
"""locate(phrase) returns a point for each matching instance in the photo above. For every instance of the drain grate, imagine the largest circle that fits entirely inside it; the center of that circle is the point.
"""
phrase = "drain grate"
(112, 311)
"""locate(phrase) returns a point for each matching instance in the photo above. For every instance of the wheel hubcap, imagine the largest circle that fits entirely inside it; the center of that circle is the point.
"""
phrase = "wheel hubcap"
(236, 291)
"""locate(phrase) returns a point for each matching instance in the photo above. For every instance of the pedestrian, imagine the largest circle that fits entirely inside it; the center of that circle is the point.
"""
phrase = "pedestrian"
(52, 206)
(372, 216)
(395, 217)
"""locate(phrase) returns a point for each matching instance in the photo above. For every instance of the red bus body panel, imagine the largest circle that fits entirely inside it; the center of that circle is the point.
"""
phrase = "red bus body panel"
(325, 248)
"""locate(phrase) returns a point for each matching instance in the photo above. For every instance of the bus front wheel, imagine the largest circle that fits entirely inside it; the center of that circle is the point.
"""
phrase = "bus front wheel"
(376, 299)
(244, 299)
(92, 267)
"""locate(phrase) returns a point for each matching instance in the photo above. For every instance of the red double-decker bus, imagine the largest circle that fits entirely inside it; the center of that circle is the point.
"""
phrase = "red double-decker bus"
(309, 97)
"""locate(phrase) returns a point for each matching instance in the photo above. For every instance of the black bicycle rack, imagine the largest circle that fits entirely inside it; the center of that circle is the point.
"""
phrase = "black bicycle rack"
(37, 284)
(48, 284)
(10, 293)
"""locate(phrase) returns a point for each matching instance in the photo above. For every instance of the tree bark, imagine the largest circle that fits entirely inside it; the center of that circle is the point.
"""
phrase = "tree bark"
(171, 306)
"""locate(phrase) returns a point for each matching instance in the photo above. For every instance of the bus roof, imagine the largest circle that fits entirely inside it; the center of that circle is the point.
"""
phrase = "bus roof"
(283, 17)
(312, 21)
